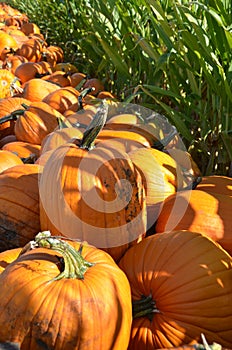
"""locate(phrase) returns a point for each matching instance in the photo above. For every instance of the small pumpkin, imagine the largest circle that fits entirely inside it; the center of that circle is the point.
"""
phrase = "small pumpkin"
(59, 278)
(175, 277)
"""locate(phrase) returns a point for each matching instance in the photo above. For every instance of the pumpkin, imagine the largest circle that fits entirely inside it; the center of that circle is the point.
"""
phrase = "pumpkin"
(94, 83)
(6, 40)
(19, 205)
(23, 149)
(7, 106)
(61, 99)
(35, 122)
(161, 175)
(31, 49)
(190, 169)
(7, 256)
(12, 62)
(200, 211)
(216, 184)
(181, 287)
(8, 159)
(58, 77)
(31, 70)
(53, 54)
(40, 289)
(8, 83)
(59, 137)
(65, 67)
(30, 28)
(36, 89)
(98, 195)
(77, 78)
(144, 121)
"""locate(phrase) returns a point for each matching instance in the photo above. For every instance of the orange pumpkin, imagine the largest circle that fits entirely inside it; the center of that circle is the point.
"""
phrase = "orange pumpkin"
(35, 122)
(59, 137)
(161, 175)
(6, 40)
(30, 70)
(62, 98)
(23, 149)
(19, 205)
(105, 206)
(12, 62)
(7, 106)
(199, 211)
(8, 159)
(86, 284)
(175, 277)
(216, 184)
(31, 49)
(36, 89)
(8, 83)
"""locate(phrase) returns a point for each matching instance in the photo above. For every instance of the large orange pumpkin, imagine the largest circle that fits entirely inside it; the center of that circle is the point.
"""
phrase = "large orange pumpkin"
(79, 299)
(97, 195)
(200, 211)
(181, 287)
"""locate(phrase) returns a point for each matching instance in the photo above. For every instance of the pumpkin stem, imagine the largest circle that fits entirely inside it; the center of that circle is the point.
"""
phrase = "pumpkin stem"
(95, 126)
(63, 122)
(84, 93)
(75, 265)
(146, 306)
(12, 116)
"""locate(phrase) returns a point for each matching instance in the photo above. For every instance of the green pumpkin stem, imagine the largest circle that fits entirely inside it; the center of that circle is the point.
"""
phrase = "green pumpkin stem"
(146, 306)
(95, 126)
(12, 116)
(75, 265)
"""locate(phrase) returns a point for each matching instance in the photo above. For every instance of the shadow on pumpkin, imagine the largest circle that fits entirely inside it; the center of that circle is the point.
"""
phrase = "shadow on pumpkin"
(198, 211)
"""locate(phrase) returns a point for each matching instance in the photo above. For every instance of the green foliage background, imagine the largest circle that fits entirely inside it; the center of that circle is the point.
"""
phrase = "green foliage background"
(173, 56)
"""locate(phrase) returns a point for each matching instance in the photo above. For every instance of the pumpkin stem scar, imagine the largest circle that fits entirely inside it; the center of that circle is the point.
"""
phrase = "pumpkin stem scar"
(75, 265)
(146, 306)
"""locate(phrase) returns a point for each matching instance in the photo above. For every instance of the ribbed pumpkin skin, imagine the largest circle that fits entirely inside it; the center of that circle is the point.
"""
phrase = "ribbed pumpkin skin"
(7, 106)
(207, 213)
(38, 120)
(106, 218)
(19, 205)
(23, 149)
(216, 184)
(68, 314)
(189, 278)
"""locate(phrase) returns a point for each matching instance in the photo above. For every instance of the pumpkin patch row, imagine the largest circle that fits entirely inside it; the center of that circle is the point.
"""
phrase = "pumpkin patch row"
(110, 237)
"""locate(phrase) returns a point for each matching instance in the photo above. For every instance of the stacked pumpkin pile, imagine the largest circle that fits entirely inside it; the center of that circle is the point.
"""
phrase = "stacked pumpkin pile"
(109, 236)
